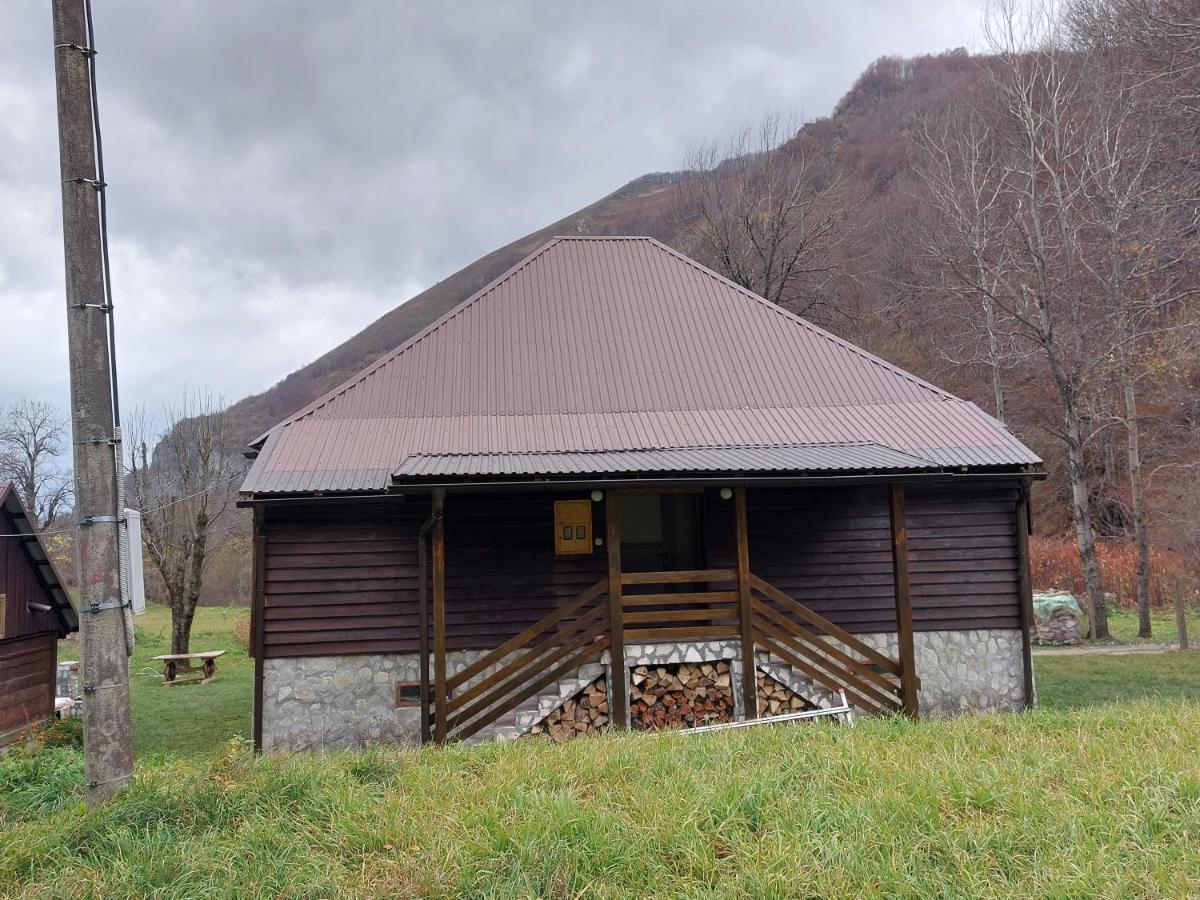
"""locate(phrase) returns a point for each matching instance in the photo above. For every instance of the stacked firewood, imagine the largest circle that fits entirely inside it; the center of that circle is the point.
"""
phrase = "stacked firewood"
(584, 714)
(687, 695)
(775, 699)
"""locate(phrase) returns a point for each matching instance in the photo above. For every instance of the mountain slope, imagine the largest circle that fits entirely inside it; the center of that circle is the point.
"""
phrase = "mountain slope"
(642, 206)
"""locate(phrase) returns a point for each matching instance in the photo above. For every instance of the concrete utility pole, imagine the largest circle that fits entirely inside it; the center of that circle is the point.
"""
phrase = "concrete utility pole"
(108, 753)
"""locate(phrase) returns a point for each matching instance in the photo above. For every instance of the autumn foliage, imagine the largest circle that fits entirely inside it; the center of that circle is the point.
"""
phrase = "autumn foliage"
(1055, 565)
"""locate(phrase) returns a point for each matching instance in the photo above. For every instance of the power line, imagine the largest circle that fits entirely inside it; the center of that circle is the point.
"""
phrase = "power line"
(153, 509)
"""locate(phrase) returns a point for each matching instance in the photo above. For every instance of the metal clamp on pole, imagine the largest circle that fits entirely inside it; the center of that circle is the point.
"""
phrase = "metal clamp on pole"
(100, 607)
(101, 306)
(87, 52)
(97, 520)
(79, 179)
(92, 688)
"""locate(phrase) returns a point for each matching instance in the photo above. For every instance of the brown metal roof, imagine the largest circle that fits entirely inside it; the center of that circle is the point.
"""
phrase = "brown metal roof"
(31, 543)
(600, 345)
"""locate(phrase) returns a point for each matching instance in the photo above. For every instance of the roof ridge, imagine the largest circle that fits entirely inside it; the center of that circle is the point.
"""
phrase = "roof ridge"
(390, 355)
(804, 323)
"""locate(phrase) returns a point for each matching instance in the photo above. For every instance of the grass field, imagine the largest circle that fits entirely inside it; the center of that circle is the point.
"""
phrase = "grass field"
(192, 719)
(1123, 623)
(1098, 802)
(1095, 794)
(186, 719)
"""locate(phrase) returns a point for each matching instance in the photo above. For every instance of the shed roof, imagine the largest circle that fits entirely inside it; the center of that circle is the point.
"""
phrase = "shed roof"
(26, 534)
(595, 348)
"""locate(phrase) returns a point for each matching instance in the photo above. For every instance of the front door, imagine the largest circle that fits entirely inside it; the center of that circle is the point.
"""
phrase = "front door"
(660, 532)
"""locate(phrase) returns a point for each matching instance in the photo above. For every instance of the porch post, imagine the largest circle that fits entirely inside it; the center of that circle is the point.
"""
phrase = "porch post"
(903, 593)
(745, 613)
(258, 622)
(618, 710)
(439, 617)
(1026, 588)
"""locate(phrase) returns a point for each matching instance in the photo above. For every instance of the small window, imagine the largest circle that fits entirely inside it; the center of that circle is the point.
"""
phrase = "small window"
(408, 693)
(572, 527)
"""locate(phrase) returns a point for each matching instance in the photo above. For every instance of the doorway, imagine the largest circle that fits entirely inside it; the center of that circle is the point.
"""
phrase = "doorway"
(661, 532)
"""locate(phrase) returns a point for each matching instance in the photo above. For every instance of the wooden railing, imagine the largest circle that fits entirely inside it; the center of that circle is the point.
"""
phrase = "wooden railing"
(543, 653)
(679, 615)
(823, 651)
(579, 632)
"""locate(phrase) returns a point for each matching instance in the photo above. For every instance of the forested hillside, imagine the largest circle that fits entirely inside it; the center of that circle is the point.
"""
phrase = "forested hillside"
(1015, 227)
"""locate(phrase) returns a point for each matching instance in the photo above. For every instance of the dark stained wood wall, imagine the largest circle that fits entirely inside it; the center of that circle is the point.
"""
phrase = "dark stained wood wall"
(21, 586)
(27, 673)
(342, 577)
(830, 548)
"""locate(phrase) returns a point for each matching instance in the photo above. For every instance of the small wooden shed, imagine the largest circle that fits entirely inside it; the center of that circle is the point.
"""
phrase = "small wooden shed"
(35, 612)
(614, 473)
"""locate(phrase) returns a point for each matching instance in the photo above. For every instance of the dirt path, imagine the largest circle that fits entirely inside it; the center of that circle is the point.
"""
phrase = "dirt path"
(1105, 649)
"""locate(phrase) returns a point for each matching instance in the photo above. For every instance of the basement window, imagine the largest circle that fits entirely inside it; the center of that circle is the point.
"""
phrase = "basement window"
(408, 694)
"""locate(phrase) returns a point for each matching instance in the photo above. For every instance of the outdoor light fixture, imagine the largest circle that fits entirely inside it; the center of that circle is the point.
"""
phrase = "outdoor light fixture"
(597, 496)
(726, 493)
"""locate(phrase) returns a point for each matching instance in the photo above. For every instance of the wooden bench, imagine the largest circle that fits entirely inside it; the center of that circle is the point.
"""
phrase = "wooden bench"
(175, 663)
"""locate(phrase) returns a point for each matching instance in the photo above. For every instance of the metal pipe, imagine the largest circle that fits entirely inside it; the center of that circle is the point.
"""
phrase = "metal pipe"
(423, 623)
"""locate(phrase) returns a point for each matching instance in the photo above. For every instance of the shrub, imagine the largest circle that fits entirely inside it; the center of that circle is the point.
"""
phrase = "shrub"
(1055, 566)
(241, 634)
(54, 733)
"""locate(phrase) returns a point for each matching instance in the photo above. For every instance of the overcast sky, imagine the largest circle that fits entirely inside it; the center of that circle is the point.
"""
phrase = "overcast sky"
(283, 172)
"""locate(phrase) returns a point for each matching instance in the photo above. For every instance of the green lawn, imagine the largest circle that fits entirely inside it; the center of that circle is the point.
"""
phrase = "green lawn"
(1095, 794)
(186, 719)
(1066, 682)
(197, 719)
(1123, 623)
(1101, 802)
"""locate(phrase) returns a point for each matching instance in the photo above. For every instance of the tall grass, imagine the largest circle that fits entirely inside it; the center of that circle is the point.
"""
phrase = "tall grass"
(1054, 563)
(1102, 802)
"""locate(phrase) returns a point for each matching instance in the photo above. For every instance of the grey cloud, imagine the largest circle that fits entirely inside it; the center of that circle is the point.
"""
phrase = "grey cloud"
(284, 172)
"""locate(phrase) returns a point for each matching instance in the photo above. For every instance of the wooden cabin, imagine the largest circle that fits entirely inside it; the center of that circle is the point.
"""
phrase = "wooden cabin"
(614, 489)
(35, 612)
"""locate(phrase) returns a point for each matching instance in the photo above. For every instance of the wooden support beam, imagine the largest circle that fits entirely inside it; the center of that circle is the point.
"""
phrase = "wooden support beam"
(617, 691)
(1025, 582)
(439, 617)
(903, 593)
(257, 620)
(745, 609)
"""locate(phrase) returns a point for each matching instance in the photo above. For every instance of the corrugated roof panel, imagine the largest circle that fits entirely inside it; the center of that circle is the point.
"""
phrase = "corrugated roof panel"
(617, 344)
(802, 458)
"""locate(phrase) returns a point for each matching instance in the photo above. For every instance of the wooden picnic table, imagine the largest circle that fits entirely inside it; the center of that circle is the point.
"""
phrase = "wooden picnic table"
(175, 663)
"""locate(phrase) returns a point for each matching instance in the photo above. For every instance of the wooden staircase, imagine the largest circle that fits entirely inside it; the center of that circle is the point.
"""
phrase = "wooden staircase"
(499, 690)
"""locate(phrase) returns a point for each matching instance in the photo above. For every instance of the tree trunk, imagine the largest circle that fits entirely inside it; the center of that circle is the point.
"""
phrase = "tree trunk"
(994, 358)
(181, 625)
(1137, 496)
(1081, 515)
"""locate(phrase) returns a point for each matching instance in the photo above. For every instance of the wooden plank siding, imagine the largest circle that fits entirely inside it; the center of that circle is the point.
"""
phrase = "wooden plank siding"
(341, 577)
(21, 586)
(831, 549)
(27, 665)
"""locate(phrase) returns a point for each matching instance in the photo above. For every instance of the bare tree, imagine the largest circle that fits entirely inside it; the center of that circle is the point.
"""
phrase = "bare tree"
(769, 217)
(33, 435)
(961, 172)
(183, 492)
(1014, 193)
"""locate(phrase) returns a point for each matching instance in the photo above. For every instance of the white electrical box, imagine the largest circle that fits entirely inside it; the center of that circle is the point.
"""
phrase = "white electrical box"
(133, 590)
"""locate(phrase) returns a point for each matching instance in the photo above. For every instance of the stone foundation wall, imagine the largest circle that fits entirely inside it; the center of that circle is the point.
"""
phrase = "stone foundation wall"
(313, 702)
(349, 701)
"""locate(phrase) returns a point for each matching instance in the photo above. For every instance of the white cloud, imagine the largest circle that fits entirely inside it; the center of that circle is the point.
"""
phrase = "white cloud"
(283, 172)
